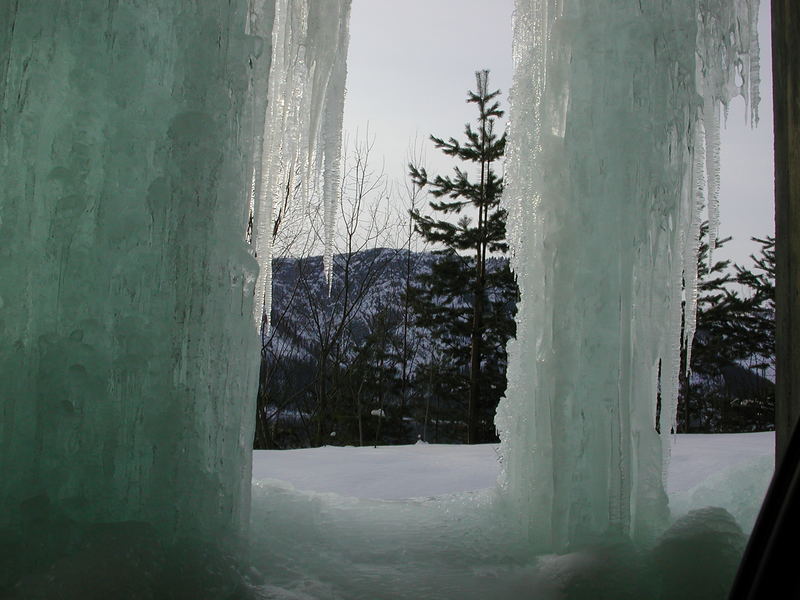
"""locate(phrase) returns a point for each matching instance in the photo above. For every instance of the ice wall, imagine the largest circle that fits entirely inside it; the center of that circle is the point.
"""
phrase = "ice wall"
(129, 138)
(127, 354)
(613, 154)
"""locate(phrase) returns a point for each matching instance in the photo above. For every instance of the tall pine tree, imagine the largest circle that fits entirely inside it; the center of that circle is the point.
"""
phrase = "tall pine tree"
(468, 300)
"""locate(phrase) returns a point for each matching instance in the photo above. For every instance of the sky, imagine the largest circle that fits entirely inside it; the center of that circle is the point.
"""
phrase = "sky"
(747, 206)
(409, 70)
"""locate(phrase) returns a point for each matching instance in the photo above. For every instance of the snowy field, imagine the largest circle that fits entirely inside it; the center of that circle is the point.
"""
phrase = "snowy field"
(422, 521)
(698, 463)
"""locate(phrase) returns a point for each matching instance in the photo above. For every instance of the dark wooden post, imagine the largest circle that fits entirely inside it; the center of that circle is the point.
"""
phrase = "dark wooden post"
(786, 82)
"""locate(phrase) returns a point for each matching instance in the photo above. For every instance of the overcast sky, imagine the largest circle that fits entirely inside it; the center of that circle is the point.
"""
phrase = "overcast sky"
(409, 69)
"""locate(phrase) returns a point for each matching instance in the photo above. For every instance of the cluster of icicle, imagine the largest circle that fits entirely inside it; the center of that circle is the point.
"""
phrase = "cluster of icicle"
(728, 52)
(613, 156)
(302, 131)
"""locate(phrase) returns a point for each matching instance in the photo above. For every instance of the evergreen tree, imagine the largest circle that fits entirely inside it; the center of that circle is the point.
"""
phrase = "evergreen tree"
(760, 281)
(468, 300)
(725, 389)
(759, 327)
(713, 346)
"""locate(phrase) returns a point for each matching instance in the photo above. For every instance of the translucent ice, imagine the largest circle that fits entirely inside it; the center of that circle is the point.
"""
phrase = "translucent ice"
(614, 133)
(135, 140)
(123, 266)
(302, 134)
(129, 138)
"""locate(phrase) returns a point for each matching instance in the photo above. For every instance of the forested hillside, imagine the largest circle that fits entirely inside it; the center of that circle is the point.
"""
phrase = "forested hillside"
(353, 366)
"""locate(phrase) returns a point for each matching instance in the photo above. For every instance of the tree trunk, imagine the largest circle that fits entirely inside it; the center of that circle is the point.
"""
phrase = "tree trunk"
(261, 438)
(477, 306)
(475, 366)
(322, 400)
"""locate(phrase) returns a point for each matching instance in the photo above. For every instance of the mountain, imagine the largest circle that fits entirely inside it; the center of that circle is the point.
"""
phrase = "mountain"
(349, 366)
(333, 359)
(307, 317)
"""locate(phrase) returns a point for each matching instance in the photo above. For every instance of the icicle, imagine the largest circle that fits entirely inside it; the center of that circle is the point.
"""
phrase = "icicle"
(692, 244)
(302, 128)
(711, 151)
(727, 50)
(251, 207)
(754, 62)
(332, 150)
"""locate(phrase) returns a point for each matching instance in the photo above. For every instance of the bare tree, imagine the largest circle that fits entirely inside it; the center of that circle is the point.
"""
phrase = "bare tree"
(327, 330)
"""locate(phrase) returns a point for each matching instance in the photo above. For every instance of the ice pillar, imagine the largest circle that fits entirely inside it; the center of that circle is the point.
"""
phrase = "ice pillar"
(614, 111)
(129, 138)
(127, 351)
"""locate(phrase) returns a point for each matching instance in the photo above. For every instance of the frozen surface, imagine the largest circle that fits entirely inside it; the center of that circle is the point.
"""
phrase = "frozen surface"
(385, 472)
(334, 527)
(318, 545)
(731, 471)
(127, 355)
(698, 457)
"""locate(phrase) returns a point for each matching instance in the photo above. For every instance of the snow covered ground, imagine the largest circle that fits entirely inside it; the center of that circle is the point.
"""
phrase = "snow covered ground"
(339, 523)
(698, 457)
(385, 472)
(424, 470)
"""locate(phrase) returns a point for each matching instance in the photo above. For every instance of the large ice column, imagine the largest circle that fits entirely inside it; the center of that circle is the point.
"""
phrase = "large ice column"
(302, 132)
(607, 166)
(128, 354)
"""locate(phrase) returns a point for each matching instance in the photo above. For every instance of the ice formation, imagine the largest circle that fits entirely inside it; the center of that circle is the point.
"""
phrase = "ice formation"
(124, 274)
(136, 141)
(302, 134)
(130, 137)
(614, 151)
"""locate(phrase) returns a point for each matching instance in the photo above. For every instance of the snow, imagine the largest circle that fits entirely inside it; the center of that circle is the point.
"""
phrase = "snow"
(425, 470)
(385, 472)
(427, 521)
(731, 471)
(696, 457)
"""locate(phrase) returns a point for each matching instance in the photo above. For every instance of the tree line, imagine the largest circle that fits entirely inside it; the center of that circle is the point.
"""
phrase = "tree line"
(729, 385)
(406, 340)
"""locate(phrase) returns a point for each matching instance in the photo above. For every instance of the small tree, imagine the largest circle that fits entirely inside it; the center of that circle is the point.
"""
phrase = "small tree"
(725, 389)
(760, 281)
(713, 346)
(467, 300)
(759, 329)
(312, 384)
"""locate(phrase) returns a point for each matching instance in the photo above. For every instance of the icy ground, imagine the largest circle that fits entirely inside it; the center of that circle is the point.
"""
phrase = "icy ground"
(338, 523)
(702, 472)
(422, 470)
(385, 472)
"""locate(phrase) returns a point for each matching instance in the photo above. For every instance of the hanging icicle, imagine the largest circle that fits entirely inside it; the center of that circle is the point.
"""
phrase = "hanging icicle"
(613, 152)
(302, 136)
